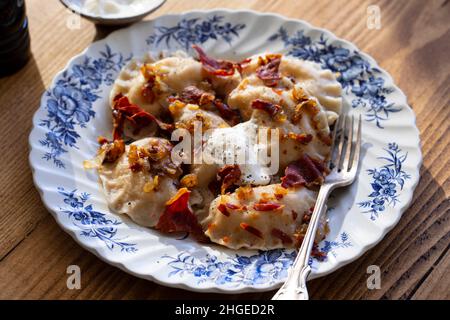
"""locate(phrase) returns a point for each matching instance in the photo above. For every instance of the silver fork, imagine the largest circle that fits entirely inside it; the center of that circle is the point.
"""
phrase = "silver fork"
(343, 165)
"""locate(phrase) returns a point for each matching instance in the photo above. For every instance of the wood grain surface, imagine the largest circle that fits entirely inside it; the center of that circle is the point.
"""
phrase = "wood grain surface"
(413, 45)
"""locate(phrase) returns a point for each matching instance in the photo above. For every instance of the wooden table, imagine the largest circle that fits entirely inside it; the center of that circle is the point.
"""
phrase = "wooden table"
(413, 45)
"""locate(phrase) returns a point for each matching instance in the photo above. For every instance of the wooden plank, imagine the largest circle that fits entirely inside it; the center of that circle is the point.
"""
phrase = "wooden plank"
(412, 45)
(435, 285)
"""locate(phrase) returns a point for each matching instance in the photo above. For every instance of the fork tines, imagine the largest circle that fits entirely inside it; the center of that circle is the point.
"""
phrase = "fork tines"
(346, 145)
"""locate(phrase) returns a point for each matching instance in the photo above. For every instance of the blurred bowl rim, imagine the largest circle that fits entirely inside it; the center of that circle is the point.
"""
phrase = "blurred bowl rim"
(122, 19)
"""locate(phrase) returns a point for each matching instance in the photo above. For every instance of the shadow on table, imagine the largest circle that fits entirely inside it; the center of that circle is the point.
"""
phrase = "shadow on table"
(102, 32)
(20, 96)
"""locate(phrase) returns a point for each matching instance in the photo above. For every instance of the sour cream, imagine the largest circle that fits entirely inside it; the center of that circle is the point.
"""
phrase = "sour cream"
(114, 8)
(238, 145)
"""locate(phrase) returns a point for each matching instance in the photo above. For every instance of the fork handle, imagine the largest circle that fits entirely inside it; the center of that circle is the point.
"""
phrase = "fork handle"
(295, 286)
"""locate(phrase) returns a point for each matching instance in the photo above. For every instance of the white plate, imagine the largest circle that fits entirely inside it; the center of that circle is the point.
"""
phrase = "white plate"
(74, 111)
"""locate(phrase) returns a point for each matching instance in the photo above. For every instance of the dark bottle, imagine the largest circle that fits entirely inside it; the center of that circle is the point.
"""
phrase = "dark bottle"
(14, 36)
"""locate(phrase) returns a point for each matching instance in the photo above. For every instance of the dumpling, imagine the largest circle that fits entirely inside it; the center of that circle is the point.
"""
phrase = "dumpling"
(141, 187)
(222, 190)
(165, 77)
(265, 218)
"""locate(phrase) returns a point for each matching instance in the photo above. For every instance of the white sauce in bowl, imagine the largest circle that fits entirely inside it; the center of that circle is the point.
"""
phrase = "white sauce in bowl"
(115, 8)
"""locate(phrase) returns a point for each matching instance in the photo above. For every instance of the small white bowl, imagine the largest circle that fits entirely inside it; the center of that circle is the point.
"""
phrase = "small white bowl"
(116, 18)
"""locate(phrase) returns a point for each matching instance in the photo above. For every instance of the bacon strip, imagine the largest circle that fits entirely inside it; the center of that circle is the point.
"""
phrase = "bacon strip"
(305, 171)
(294, 215)
(228, 175)
(317, 253)
(270, 108)
(277, 233)
(194, 95)
(251, 229)
(243, 64)
(178, 217)
(222, 208)
(227, 113)
(303, 138)
(124, 110)
(212, 66)
(268, 72)
(114, 150)
(267, 206)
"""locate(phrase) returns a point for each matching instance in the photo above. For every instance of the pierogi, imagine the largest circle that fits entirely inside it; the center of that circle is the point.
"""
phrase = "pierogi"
(185, 183)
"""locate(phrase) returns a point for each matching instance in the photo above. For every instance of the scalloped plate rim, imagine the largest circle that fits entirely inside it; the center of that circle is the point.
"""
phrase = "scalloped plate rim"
(415, 174)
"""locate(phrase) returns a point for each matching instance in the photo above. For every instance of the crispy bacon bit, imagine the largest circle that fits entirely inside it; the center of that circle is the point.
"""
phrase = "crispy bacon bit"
(243, 64)
(277, 91)
(228, 175)
(317, 253)
(226, 112)
(213, 66)
(148, 72)
(139, 118)
(102, 140)
(244, 192)
(267, 206)
(305, 171)
(147, 92)
(294, 215)
(305, 106)
(133, 159)
(179, 217)
(157, 151)
(194, 95)
(299, 94)
(180, 193)
(226, 239)
(277, 233)
(251, 229)
(298, 239)
(303, 138)
(268, 71)
(114, 150)
(292, 177)
(233, 206)
(265, 197)
(223, 209)
(280, 192)
(152, 184)
(175, 106)
(270, 108)
(189, 180)
(147, 89)
(325, 138)
(307, 217)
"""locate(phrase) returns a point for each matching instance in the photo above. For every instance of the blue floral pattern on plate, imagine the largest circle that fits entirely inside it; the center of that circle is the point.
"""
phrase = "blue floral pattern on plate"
(92, 223)
(387, 182)
(195, 31)
(355, 73)
(266, 267)
(69, 102)
(331, 246)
